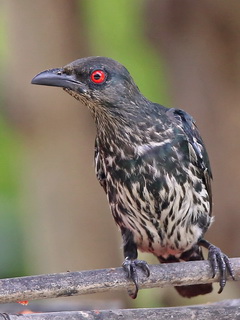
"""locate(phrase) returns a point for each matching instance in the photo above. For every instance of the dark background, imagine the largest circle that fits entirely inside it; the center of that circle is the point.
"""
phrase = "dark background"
(54, 215)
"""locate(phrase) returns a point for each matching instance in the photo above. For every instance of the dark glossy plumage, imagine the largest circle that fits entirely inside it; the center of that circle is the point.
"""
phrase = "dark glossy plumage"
(152, 164)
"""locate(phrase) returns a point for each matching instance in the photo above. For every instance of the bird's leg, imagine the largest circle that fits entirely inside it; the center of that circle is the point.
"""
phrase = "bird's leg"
(131, 263)
(219, 262)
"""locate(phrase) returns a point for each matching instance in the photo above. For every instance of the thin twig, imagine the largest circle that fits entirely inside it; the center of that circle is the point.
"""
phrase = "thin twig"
(92, 281)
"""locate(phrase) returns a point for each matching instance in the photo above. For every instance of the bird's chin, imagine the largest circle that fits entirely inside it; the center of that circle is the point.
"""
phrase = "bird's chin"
(76, 95)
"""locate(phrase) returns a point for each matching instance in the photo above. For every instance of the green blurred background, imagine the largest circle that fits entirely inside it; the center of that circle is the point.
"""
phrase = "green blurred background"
(53, 214)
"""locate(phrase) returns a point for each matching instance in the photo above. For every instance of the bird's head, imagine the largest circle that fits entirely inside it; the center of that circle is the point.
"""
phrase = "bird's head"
(95, 81)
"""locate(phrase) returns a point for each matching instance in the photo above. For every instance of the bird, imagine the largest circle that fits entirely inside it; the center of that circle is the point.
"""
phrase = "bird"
(153, 166)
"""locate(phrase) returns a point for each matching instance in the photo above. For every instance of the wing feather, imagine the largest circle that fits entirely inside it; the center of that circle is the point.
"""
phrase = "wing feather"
(197, 150)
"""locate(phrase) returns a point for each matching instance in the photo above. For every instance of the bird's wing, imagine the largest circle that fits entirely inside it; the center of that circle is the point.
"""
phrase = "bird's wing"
(99, 170)
(197, 151)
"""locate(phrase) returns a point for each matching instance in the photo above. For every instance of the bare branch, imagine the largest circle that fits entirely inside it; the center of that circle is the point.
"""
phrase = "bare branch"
(92, 281)
(224, 310)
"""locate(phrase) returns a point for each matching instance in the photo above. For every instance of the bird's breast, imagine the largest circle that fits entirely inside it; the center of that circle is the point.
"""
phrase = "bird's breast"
(166, 214)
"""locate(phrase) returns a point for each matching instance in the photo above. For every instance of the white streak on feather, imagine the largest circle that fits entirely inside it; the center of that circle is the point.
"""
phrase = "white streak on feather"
(144, 148)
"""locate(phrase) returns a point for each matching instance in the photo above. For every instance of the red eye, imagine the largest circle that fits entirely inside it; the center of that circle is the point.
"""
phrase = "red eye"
(98, 76)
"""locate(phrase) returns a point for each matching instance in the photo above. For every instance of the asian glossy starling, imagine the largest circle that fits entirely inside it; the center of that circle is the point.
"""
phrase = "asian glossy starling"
(152, 164)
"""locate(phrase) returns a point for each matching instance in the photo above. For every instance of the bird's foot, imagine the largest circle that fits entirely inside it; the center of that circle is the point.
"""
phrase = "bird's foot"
(219, 262)
(130, 267)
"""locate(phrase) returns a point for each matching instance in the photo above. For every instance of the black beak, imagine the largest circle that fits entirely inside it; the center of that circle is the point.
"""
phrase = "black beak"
(56, 78)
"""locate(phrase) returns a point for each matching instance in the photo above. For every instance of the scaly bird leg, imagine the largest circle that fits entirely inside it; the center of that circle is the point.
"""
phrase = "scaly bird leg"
(219, 262)
(130, 267)
(131, 263)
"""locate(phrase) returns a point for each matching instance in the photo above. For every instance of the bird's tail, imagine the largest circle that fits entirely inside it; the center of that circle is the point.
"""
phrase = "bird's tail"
(192, 290)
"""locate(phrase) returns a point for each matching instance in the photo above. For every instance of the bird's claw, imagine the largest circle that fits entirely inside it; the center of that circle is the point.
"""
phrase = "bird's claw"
(220, 262)
(130, 267)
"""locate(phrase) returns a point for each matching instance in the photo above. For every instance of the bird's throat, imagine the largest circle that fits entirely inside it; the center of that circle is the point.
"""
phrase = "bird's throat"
(109, 125)
(77, 96)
